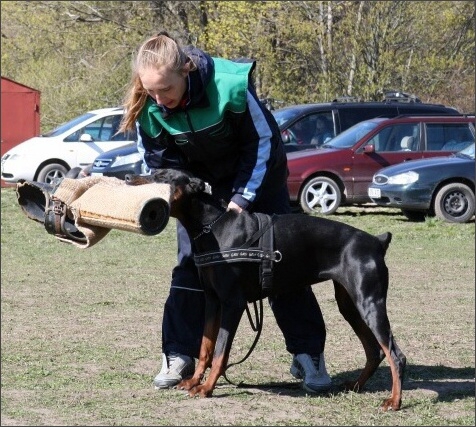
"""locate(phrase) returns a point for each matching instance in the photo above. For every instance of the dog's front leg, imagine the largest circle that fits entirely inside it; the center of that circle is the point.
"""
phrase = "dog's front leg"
(230, 319)
(209, 338)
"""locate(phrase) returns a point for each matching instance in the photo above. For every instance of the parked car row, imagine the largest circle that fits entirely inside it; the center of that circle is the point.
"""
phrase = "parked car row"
(335, 172)
(339, 172)
(78, 142)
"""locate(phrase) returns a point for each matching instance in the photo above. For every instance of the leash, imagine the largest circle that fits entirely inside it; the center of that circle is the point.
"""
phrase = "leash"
(258, 327)
(208, 228)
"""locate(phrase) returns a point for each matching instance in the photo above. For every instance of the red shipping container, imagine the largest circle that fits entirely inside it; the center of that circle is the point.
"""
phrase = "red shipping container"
(20, 107)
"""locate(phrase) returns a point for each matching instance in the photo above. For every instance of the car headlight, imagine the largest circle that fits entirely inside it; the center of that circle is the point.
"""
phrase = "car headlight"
(403, 178)
(10, 157)
(124, 160)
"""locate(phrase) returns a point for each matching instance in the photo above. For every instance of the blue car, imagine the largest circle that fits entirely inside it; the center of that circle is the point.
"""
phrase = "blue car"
(439, 186)
(119, 162)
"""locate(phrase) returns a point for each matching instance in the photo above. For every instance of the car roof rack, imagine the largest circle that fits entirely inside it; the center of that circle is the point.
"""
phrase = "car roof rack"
(396, 96)
(348, 99)
(389, 96)
(430, 114)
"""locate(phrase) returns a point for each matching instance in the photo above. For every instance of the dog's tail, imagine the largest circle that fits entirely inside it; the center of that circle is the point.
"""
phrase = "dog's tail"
(385, 240)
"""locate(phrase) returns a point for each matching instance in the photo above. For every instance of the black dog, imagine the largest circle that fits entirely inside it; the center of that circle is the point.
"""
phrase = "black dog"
(306, 250)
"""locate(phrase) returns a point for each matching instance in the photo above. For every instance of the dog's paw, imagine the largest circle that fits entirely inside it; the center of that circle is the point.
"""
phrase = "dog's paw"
(200, 391)
(187, 384)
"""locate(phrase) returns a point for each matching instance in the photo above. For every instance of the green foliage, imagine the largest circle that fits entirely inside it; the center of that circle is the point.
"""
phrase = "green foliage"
(78, 53)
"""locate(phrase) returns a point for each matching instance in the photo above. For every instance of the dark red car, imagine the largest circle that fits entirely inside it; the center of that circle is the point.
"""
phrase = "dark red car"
(340, 171)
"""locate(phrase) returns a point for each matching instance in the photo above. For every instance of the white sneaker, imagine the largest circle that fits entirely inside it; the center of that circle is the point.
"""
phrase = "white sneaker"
(175, 367)
(312, 370)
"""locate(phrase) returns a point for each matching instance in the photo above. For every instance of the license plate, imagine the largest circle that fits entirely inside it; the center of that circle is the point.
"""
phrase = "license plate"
(374, 193)
(96, 174)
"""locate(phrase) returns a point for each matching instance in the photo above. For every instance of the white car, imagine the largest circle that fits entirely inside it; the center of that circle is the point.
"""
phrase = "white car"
(77, 143)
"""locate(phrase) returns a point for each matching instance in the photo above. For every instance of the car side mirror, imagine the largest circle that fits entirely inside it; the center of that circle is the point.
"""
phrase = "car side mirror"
(369, 149)
(85, 137)
(285, 136)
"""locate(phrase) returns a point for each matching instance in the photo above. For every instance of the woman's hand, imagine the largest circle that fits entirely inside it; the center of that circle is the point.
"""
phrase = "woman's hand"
(232, 206)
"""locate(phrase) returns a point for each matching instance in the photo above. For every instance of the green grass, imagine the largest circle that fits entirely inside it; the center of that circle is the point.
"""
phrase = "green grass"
(81, 332)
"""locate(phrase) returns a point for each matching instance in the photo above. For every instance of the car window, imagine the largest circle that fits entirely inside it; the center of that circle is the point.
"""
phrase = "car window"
(467, 152)
(68, 125)
(351, 136)
(314, 129)
(284, 116)
(322, 125)
(448, 136)
(103, 129)
(399, 137)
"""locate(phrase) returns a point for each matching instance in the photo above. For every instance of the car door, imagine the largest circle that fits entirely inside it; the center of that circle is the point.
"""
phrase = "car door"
(393, 144)
(96, 137)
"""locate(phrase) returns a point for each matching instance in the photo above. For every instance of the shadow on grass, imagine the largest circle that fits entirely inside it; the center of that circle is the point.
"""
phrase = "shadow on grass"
(448, 383)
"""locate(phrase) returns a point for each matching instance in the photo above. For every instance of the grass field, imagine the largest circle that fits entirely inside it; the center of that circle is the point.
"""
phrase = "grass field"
(81, 330)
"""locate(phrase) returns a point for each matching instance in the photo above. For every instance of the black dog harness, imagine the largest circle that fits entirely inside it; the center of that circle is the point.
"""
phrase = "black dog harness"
(264, 253)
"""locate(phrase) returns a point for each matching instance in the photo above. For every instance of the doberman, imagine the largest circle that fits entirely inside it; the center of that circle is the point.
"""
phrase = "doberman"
(306, 250)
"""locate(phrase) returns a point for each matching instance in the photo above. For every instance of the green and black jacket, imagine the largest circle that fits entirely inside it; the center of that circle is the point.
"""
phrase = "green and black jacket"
(223, 134)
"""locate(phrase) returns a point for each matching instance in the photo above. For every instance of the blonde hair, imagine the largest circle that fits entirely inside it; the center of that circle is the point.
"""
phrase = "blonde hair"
(155, 52)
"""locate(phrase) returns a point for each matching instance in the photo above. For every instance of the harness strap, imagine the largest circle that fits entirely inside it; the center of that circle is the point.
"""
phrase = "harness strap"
(263, 252)
(267, 245)
(236, 255)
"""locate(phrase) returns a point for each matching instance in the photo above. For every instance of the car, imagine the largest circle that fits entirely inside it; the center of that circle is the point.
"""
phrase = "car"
(76, 143)
(438, 186)
(119, 162)
(299, 124)
(339, 172)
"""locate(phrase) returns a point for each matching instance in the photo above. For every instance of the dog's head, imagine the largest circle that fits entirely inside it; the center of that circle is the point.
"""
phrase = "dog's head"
(183, 185)
(178, 180)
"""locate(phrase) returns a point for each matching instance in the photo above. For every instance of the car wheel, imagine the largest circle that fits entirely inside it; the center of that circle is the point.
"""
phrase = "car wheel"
(415, 216)
(52, 173)
(455, 203)
(320, 195)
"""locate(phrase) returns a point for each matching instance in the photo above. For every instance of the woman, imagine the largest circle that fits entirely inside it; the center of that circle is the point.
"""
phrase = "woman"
(202, 114)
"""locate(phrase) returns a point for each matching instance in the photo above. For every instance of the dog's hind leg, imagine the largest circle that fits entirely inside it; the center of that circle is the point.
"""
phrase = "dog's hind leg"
(373, 351)
(397, 362)
(377, 339)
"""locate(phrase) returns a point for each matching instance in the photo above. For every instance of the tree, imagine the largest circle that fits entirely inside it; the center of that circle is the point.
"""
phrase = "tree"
(78, 53)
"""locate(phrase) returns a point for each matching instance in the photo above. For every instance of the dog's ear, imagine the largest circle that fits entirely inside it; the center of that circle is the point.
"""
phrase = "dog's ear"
(195, 185)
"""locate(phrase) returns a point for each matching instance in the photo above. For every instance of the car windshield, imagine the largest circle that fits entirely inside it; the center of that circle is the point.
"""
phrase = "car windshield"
(349, 137)
(284, 116)
(68, 125)
(467, 152)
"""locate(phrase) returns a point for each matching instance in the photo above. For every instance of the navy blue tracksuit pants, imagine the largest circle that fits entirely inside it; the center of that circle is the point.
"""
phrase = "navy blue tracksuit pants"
(298, 314)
